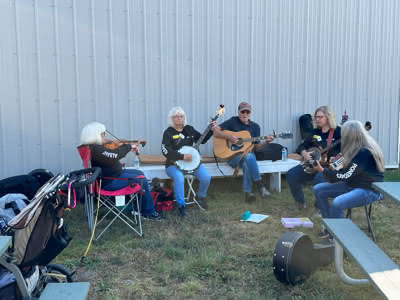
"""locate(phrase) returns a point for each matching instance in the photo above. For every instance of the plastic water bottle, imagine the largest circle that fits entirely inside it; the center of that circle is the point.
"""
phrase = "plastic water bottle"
(284, 153)
(136, 162)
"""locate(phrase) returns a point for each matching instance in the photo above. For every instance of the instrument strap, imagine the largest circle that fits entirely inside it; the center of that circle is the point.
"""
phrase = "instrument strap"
(330, 136)
(235, 173)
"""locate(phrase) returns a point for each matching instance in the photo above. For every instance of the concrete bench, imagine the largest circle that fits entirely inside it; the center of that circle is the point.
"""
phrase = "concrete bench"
(154, 166)
(380, 270)
(65, 291)
(389, 189)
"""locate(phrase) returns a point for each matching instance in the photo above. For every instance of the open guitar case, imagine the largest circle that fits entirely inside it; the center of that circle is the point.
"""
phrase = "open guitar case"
(296, 257)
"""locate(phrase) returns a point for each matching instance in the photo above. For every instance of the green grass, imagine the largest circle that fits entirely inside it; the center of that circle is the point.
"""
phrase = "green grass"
(213, 255)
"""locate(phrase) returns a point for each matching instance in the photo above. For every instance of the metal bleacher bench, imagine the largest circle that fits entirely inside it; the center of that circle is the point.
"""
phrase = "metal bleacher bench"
(389, 189)
(380, 270)
(154, 166)
(57, 291)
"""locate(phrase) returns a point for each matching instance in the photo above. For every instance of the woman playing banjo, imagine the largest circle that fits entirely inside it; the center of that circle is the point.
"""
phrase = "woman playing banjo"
(177, 135)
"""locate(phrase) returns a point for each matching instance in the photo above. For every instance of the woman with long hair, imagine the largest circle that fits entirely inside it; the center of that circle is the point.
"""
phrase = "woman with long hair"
(351, 186)
(324, 133)
(93, 135)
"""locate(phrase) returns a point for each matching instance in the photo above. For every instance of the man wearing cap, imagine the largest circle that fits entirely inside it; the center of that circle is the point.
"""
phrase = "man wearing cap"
(248, 162)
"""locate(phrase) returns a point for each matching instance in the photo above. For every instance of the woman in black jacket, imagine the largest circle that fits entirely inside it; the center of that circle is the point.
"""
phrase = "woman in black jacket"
(351, 186)
(324, 127)
(177, 135)
(93, 135)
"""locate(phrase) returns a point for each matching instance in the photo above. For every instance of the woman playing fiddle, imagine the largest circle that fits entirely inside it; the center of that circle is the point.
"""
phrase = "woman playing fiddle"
(93, 135)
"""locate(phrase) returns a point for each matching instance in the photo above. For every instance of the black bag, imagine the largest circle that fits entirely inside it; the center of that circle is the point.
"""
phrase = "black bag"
(25, 184)
(271, 151)
(306, 126)
(21, 184)
(42, 175)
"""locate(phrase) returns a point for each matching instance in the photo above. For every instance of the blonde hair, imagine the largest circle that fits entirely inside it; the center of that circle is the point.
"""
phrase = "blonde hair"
(329, 114)
(91, 133)
(355, 137)
(177, 110)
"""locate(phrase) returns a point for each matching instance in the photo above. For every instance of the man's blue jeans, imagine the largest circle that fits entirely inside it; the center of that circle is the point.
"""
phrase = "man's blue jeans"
(179, 182)
(132, 174)
(343, 196)
(250, 169)
(296, 177)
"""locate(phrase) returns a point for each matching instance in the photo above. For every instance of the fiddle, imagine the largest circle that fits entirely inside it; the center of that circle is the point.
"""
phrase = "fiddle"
(114, 144)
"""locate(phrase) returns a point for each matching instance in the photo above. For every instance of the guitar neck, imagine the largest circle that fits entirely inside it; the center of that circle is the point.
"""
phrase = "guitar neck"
(202, 137)
(254, 139)
(334, 144)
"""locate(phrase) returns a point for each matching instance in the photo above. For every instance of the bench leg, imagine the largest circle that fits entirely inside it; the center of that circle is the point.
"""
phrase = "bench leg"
(275, 182)
(368, 216)
(340, 270)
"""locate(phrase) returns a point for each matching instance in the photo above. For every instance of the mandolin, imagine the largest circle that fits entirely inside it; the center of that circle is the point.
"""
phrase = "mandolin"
(225, 149)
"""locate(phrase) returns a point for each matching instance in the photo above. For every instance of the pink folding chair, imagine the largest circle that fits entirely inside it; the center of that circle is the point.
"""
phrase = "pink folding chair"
(123, 204)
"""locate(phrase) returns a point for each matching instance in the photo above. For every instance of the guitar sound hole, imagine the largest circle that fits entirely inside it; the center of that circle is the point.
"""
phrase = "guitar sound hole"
(236, 147)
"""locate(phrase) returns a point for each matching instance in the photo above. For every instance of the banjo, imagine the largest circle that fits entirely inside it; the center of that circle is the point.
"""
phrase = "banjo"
(189, 167)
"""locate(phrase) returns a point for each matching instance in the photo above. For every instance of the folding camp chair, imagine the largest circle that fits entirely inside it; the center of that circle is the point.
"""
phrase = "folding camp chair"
(115, 202)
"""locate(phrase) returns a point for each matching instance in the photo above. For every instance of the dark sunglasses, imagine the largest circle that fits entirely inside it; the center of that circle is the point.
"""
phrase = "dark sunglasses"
(245, 112)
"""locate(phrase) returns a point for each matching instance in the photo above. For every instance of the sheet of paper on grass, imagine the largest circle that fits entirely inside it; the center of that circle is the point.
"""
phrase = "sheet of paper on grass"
(255, 218)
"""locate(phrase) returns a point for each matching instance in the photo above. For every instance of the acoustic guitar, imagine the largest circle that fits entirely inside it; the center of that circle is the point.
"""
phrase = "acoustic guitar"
(225, 149)
(318, 155)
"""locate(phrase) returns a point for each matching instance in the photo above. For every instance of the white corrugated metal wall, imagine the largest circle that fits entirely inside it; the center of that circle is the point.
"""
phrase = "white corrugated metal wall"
(125, 63)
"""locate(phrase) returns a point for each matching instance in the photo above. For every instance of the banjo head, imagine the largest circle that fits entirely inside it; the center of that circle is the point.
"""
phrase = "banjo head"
(189, 166)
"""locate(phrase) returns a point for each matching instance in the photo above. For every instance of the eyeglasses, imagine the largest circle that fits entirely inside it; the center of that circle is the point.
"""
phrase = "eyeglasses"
(178, 116)
(245, 112)
(319, 117)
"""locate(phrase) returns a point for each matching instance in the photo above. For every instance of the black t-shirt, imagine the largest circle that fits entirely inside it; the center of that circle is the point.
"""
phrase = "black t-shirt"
(320, 139)
(108, 160)
(234, 124)
(173, 140)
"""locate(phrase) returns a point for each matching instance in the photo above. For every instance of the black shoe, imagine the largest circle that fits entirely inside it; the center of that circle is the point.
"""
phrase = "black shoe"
(182, 211)
(202, 202)
(249, 197)
(155, 216)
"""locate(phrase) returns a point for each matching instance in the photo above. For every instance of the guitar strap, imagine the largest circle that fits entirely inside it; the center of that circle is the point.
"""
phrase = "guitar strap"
(249, 149)
(330, 136)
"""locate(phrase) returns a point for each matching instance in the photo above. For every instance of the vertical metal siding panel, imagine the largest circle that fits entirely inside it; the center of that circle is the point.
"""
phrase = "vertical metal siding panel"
(138, 68)
(111, 62)
(48, 80)
(38, 82)
(59, 99)
(11, 136)
(69, 124)
(18, 70)
(94, 99)
(128, 24)
(145, 69)
(153, 134)
(120, 65)
(31, 126)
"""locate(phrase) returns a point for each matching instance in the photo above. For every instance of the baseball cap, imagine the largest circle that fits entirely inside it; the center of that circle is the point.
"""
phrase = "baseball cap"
(244, 106)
